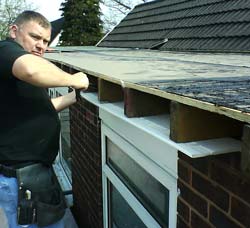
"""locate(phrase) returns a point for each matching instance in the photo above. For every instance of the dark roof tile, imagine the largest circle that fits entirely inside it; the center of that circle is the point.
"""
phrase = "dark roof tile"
(187, 24)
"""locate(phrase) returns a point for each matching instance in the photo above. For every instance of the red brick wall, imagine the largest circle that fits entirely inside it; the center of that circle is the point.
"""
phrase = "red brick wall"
(86, 164)
(213, 192)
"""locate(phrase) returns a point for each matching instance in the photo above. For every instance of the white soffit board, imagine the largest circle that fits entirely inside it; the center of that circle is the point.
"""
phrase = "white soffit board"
(209, 147)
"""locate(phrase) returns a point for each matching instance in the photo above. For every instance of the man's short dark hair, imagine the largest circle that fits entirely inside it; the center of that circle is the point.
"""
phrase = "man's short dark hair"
(29, 15)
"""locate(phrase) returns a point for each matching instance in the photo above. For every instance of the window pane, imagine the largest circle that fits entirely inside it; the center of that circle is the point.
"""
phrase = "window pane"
(65, 136)
(150, 192)
(121, 214)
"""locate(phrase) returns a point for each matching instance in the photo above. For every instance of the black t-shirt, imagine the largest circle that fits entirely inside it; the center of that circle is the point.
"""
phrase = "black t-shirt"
(29, 124)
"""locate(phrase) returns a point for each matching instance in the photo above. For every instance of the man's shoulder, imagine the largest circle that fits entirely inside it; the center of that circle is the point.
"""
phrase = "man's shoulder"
(9, 43)
(9, 49)
(3, 43)
(6, 42)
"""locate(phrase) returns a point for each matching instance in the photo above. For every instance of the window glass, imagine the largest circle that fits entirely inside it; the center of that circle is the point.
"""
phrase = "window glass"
(64, 156)
(65, 137)
(121, 214)
(150, 192)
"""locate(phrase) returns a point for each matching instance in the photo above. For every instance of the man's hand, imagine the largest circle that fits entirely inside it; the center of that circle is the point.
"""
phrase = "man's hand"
(80, 81)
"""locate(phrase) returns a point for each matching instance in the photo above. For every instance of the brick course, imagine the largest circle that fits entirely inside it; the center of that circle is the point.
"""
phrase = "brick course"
(192, 198)
(183, 210)
(85, 130)
(241, 211)
(213, 192)
(198, 221)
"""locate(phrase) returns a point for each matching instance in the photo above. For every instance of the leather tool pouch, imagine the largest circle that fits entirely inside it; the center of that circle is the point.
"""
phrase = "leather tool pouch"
(40, 199)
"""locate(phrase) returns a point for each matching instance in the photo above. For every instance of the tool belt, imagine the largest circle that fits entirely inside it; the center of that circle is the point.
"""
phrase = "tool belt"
(40, 198)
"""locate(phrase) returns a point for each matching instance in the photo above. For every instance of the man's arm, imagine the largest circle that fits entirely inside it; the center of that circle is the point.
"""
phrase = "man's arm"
(64, 101)
(40, 72)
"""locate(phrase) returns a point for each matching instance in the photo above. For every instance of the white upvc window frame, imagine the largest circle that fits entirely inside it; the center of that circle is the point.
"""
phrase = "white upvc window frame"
(156, 171)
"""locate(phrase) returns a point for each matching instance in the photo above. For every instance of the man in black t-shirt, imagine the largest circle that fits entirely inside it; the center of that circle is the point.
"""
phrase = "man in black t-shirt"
(29, 125)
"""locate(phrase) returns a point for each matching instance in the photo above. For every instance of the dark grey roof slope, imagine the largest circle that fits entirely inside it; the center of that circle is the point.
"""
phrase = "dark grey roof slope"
(208, 25)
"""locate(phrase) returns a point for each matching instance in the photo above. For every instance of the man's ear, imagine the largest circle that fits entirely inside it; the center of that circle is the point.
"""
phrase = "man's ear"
(13, 30)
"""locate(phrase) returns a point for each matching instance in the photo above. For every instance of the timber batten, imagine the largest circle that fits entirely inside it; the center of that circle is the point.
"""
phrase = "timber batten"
(189, 124)
(108, 91)
(138, 104)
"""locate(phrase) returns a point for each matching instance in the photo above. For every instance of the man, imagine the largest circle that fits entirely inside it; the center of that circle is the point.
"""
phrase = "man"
(29, 125)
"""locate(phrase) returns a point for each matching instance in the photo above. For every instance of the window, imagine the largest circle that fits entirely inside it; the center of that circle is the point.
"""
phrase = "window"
(150, 192)
(134, 186)
(63, 160)
(65, 147)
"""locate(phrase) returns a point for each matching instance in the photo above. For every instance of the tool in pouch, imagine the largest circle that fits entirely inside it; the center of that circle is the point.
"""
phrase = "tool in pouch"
(40, 198)
(26, 211)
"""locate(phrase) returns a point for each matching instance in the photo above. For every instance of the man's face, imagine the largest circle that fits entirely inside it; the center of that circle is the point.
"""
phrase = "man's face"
(31, 36)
